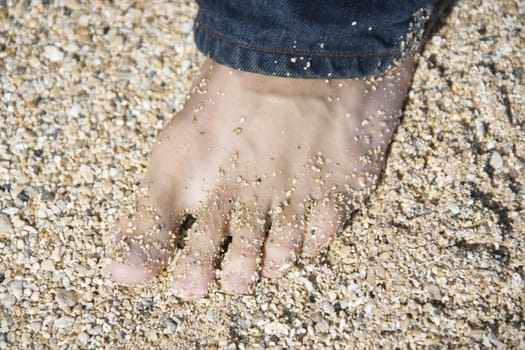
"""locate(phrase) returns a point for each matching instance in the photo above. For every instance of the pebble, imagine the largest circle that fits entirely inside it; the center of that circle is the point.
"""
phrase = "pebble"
(6, 227)
(53, 53)
(151, 335)
(16, 288)
(113, 172)
(185, 65)
(307, 284)
(10, 337)
(480, 130)
(434, 291)
(275, 327)
(35, 326)
(83, 338)
(95, 330)
(66, 298)
(7, 300)
(34, 62)
(75, 110)
(496, 161)
(64, 322)
(48, 265)
(116, 41)
(11, 211)
(369, 309)
(327, 308)
(70, 4)
(85, 172)
(171, 327)
(453, 208)
(209, 315)
(428, 308)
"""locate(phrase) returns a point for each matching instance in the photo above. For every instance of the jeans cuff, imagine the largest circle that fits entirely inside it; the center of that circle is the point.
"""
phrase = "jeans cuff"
(306, 65)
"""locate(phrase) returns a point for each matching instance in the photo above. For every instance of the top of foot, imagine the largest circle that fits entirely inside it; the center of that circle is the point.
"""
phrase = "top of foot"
(274, 165)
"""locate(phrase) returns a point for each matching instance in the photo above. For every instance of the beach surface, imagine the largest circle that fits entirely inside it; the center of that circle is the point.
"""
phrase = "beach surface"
(433, 260)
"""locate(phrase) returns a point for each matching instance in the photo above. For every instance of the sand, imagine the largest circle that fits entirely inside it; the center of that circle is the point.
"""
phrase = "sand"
(435, 259)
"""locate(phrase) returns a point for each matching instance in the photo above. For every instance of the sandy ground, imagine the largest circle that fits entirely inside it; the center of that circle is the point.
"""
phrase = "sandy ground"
(434, 260)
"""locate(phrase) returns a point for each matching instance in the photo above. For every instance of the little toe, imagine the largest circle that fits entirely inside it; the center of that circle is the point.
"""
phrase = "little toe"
(194, 270)
(283, 241)
(241, 263)
(326, 221)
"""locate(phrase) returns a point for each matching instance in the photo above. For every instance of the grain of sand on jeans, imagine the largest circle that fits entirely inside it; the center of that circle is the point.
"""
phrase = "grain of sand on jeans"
(436, 257)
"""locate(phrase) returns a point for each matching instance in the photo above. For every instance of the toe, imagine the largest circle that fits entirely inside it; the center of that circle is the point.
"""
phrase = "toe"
(241, 263)
(140, 249)
(326, 220)
(193, 274)
(283, 241)
(194, 270)
(128, 274)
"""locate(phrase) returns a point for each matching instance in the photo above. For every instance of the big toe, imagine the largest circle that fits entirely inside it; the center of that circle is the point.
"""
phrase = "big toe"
(129, 274)
(141, 247)
(135, 260)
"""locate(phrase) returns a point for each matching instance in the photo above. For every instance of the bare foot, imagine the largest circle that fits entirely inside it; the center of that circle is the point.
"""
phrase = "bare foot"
(277, 164)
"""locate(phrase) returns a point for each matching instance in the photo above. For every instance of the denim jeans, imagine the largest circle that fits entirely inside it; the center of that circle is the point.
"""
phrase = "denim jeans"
(311, 39)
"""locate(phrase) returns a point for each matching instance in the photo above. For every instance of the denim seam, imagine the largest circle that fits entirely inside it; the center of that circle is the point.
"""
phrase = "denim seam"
(311, 54)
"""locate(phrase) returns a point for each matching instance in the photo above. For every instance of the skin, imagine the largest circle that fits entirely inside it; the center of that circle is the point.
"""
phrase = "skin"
(276, 165)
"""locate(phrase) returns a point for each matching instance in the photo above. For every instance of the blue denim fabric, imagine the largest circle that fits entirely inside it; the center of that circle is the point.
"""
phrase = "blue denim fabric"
(310, 39)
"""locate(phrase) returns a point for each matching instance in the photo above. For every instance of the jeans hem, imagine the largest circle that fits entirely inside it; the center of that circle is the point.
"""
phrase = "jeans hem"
(305, 65)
